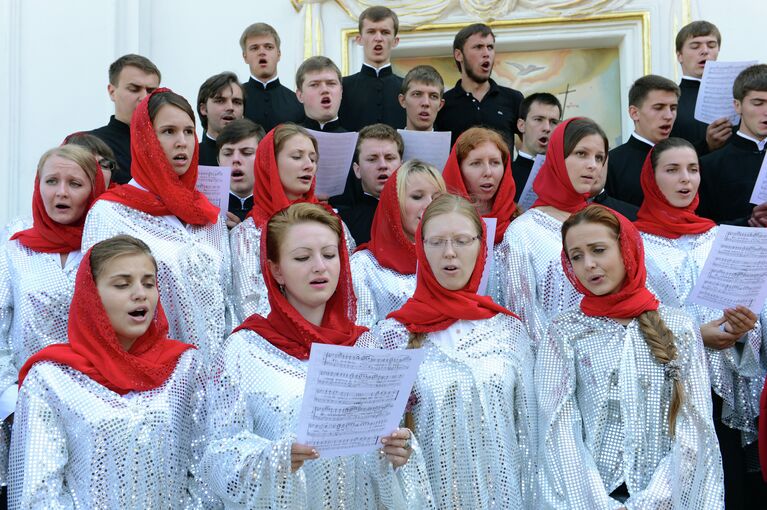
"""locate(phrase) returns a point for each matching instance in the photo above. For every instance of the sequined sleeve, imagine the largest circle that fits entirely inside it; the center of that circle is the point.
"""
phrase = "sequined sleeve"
(379, 290)
(567, 474)
(8, 373)
(241, 467)
(38, 428)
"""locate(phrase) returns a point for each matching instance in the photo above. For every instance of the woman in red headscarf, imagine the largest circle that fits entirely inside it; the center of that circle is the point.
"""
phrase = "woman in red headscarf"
(677, 243)
(383, 270)
(284, 173)
(622, 386)
(38, 266)
(530, 277)
(161, 206)
(479, 168)
(252, 459)
(108, 419)
(473, 403)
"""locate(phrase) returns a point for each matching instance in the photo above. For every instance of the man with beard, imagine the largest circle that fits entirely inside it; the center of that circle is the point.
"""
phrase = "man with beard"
(477, 100)
(539, 114)
(652, 106)
(219, 102)
(269, 102)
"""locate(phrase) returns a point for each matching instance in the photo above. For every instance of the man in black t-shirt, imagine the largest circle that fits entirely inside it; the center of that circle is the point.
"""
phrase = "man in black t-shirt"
(477, 100)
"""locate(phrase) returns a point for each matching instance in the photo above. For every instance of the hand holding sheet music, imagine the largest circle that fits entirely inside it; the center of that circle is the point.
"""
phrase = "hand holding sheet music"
(715, 95)
(354, 397)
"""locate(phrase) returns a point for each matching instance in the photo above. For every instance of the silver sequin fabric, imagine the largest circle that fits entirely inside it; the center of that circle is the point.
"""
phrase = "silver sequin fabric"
(77, 444)
(255, 394)
(35, 293)
(379, 290)
(736, 373)
(531, 281)
(604, 401)
(475, 412)
(194, 269)
(249, 288)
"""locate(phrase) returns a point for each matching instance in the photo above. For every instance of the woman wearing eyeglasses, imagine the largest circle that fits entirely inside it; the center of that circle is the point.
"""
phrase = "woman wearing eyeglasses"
(473, 403)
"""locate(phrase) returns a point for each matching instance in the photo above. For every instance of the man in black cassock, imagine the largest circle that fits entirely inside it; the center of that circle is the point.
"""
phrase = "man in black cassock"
(219, 102)
(318, 89)
(539, 114)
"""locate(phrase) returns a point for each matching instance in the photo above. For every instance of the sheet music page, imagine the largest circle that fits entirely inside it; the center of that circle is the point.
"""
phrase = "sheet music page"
(336, 151)
(715, 95)
(213, 182)
(490, 223)
(528, 196)
(433, 147)
(759, 195)
(354, 397)
(735, 272)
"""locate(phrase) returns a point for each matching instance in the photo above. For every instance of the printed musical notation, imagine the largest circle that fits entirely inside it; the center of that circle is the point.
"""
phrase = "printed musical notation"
(213, 182)
(759, 195)
(735, 272)
(715, 95)
(354, 396)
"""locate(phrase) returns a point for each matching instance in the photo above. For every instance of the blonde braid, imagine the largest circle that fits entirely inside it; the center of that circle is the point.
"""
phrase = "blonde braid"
(414, 341)
(660, 340)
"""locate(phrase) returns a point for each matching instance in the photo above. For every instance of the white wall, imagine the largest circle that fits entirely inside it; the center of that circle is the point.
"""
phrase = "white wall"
(54, 56)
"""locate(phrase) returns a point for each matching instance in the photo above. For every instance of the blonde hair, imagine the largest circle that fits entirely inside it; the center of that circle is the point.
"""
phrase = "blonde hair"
(415, 167)
(660, 340)
(109, 249)
(302, 212)
(80, 156)
(285, 132)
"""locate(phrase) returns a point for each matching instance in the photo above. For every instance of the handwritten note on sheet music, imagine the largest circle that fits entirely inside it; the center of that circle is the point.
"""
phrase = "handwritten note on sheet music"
(735, 272)
(528, 196)
(432, 147)
(213, 182)
(715, 95)
(759, 195)
(336, 151)
(354, 397)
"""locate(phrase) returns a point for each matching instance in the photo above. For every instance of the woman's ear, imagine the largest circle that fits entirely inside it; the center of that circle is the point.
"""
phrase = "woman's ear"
(276, 272)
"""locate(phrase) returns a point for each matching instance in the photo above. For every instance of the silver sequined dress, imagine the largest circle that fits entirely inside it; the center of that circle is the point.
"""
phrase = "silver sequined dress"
(194, 269)
(379, 290)
(531, 281)
(249, 288)
(474, 411)
(255, 395)
(77, 444)
(35, 293)
(603, 402)
(736, 373)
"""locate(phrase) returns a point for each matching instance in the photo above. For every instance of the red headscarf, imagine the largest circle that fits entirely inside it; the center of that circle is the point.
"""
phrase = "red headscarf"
(166, 193)
(435, 308)
(552, 184)
(633, 298)
(657, 215)
(48, 236)
(388, 242)
(287, 329)
(268, 193)
(94, 350)
(503, 204)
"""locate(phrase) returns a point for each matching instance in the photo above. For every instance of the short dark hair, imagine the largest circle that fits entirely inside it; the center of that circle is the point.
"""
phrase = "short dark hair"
(646, 84)
(752, 78)
(212, 87)
(131, 59)
(463, 35)
(256, 30)
(423, 74)
(238, 130)
(91, 142)
(313, 65)
(538, 97)
(378, 132)
(697, 29)
(378, 13)
(160, 99)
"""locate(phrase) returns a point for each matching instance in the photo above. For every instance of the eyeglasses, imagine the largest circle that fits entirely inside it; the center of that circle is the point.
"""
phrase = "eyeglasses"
(457, 242)
(107, 164)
